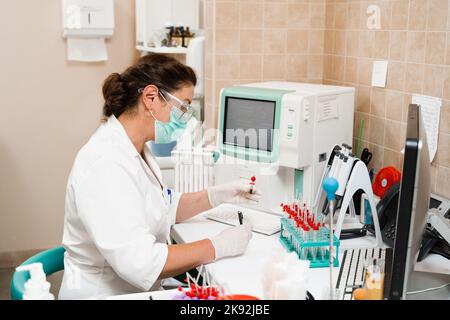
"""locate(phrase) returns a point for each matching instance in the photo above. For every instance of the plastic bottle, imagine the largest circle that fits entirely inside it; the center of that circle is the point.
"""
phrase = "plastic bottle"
(37, 287)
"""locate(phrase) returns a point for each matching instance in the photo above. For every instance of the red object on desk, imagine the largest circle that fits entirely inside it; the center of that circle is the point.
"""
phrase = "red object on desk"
(384, 180)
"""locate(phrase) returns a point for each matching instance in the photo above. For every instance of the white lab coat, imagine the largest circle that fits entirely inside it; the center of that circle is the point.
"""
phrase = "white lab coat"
(117, 218)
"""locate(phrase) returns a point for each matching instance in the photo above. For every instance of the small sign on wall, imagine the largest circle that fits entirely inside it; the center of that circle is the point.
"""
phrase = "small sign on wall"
(379, 73)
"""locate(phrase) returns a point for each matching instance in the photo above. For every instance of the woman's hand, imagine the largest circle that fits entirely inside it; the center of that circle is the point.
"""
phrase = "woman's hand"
(232, 241)
(238, 191)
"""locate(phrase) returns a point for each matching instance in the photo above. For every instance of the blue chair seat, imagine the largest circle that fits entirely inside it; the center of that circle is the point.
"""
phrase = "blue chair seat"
(52, 260)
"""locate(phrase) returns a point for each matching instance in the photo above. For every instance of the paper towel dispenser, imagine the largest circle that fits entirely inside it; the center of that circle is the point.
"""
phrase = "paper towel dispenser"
(88, 18)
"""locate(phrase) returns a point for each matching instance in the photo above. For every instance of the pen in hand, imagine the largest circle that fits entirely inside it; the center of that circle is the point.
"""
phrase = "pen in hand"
(241, 217)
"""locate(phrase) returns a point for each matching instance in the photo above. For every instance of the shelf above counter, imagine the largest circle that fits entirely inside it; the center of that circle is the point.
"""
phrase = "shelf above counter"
(169, 50)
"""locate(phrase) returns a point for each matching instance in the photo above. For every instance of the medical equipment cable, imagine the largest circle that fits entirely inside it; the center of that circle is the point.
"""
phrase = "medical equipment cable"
(429, 289)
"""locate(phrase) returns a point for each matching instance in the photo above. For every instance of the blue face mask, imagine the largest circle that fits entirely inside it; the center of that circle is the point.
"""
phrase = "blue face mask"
(167, 132)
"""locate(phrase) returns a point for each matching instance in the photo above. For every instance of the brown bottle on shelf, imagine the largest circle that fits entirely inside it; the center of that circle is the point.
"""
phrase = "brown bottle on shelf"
(177, 37)
(187, 36)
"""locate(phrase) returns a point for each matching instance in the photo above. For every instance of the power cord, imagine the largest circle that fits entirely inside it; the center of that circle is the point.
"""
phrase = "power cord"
(429, 289)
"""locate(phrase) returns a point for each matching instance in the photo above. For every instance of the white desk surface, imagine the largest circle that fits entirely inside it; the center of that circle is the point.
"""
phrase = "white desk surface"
(242, 274)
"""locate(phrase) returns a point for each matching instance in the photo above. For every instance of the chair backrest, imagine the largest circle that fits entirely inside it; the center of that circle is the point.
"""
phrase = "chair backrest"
(52, 260)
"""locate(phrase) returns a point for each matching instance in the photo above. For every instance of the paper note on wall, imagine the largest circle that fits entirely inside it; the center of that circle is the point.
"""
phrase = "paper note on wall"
(327, 108)
(379, 73)
(431, 112)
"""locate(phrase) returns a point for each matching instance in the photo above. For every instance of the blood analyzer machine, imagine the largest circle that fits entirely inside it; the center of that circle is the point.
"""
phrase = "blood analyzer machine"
(282, 133)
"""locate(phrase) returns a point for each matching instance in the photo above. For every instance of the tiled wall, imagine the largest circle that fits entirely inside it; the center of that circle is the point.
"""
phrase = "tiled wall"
(252, 41)
(328, 41)
(414, 38)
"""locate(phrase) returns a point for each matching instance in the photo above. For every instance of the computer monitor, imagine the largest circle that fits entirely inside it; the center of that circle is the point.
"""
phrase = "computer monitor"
(412, 206)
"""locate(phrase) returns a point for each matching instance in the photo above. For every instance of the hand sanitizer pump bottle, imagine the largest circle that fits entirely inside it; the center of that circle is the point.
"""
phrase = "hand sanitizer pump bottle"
(37, 287)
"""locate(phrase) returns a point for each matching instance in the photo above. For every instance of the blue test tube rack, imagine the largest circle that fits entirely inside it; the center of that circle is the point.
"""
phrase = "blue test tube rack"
(314, 250)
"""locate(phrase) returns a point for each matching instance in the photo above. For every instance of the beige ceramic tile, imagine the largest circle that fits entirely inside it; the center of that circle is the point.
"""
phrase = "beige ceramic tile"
(414, 74)
(251, 67)
(316, 41)
(377, 157)
(392, 135)
(365, 71)
(415, 47)
(354, 17)
(339, 44)
(399, 17)
(297, 41)
(447, 83)
(433, 81)
(227, 14)
(377, 130)
(351, 70)
(396, 76)
(418, 15)
(443, 181)
(338, 68)
(378, 102)
(298, 15)
(329, 15)
(352, 43)
(340, 17)
(445, 117)
(275, 15)
(250, 15)
(381, 45)
(438, 15)
(251, 41)
(436, 45)
(433, 177)
(366, 43)
(274, 67)
(296, 66)
(329, 41)
(394, 105)
(443, 152)
(315, 66)
(317, 15)
(397, 49)
(274, 41)
(227, 41)
(363, 99)
(327, 67)
(447, 56)
(392, 158)
(223, 63)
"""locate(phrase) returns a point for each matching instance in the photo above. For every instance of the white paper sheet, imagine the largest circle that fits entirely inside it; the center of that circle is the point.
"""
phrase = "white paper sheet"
(86, 50)
(431, 113)
(379, 73)
(327, 108)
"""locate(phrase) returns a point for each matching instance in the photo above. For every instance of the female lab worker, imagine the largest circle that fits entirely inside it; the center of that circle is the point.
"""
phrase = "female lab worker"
(117, 213)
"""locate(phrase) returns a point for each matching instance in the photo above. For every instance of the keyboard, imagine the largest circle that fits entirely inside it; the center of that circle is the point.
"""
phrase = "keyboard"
(351, 273)
(261, 222)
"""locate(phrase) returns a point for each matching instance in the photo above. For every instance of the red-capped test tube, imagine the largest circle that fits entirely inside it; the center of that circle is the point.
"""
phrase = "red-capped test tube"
(252, 183)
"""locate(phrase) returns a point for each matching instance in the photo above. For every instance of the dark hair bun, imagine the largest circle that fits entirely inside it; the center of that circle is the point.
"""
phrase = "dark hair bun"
(121, 91)
(115, 94)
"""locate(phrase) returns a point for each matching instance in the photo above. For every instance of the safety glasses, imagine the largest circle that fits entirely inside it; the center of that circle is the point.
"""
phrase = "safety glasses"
(183, 111)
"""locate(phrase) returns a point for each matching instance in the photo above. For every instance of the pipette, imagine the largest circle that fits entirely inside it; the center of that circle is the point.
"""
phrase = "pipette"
(330, 185)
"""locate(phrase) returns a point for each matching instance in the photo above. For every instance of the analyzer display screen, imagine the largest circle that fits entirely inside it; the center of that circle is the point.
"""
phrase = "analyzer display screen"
(249, 123)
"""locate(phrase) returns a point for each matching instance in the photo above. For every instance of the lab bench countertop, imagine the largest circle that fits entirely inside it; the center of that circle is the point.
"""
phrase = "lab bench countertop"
(243, 274)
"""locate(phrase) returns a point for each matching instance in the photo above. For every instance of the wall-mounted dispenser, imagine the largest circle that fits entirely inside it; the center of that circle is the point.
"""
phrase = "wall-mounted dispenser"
(86, 24)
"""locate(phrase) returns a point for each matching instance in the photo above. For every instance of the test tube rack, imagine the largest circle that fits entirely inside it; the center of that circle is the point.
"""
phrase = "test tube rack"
(307, 246)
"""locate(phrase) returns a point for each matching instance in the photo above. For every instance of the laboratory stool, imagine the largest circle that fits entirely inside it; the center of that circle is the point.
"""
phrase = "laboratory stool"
(52, 260)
